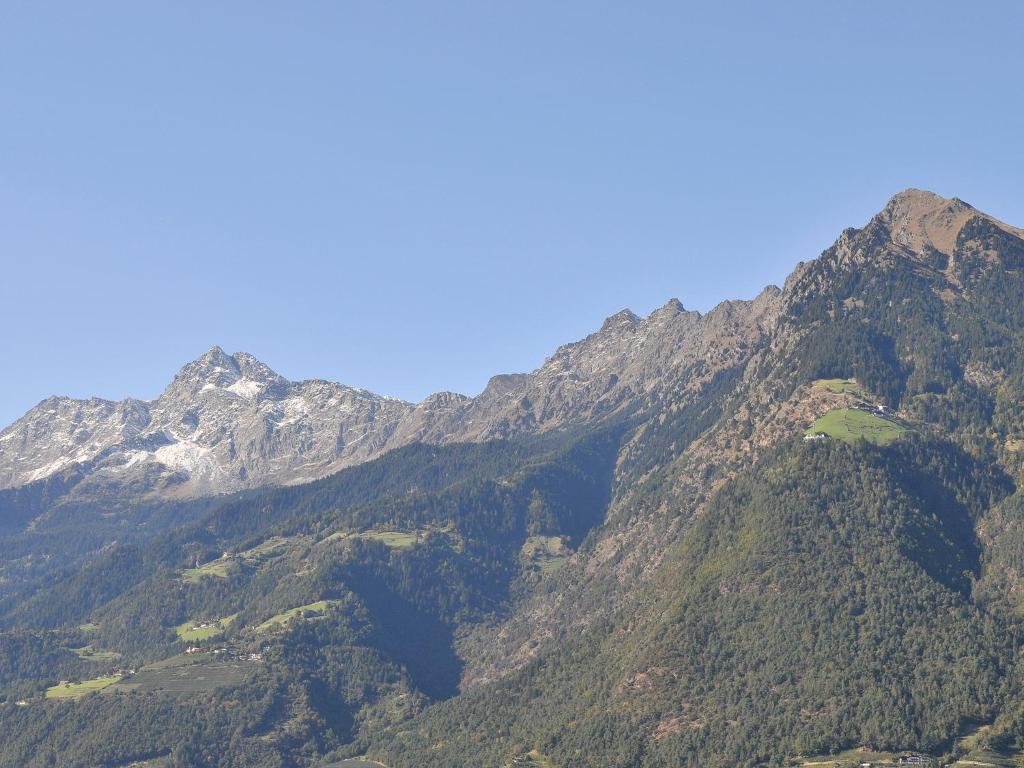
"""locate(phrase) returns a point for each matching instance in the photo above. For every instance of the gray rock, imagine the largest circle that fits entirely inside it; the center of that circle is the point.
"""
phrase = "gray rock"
(228, 422)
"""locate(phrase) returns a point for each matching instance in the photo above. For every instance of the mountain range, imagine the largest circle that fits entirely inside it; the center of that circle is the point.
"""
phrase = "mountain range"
(228, 422)
(787, 532)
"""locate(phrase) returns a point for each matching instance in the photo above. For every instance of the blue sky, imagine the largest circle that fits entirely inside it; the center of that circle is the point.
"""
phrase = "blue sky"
(414, 196)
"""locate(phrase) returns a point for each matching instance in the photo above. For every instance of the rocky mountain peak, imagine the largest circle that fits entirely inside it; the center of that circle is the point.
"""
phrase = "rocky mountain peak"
(214, 367)
(669, 312)
(240, 374)
(620, 319)
(920, 221)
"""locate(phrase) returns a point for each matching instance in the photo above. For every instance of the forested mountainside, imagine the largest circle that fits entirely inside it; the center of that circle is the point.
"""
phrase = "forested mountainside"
(781, 530)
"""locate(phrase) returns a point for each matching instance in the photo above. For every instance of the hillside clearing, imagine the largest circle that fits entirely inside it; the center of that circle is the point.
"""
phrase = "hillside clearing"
(841, 387)
(195, 631)
(318, 608)
(850, 759)
(532, 759)
(88, 653)
(77, 690)
(393, 539)
(544, 554)
(852, 424)
(977, 756)
(215, 569)
(275, 546)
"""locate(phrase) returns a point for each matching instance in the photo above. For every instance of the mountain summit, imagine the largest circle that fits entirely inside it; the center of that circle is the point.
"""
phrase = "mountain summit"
(225, 422)
(240, 373)
(923, 221)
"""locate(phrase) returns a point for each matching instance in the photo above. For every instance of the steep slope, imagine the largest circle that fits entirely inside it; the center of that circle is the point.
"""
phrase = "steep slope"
(919, 312)
(821, 601)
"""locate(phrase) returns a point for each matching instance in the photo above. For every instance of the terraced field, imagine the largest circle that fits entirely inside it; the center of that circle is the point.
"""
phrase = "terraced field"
(182, 676)
(393, 539)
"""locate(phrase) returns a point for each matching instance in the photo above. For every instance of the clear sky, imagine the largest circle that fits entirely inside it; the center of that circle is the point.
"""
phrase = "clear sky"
(413, 196)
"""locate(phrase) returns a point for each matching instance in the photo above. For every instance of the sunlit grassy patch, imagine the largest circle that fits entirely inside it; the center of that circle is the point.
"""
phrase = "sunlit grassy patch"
(974, 752)
(318, 608)
(849, 759)
(215, 568)
(77, 690)
(272, 547)
(393, 539)
(851, 424)
(196, 631)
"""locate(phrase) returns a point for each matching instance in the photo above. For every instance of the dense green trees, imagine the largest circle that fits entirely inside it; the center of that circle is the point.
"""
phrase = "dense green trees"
(384, 647)
(821, 602)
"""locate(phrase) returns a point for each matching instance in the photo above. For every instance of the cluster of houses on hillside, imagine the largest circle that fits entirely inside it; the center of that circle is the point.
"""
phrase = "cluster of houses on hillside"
(882, 412)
